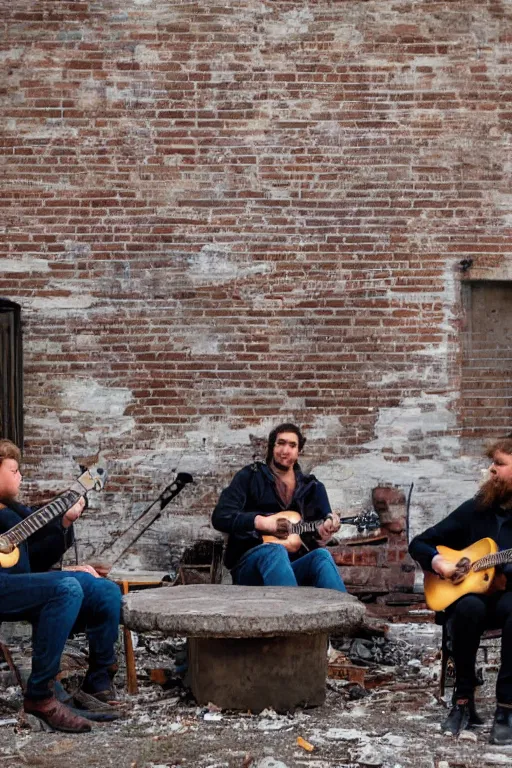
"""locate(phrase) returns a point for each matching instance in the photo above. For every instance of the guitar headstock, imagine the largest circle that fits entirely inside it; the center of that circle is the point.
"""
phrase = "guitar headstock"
(93, 478)
(365, 521)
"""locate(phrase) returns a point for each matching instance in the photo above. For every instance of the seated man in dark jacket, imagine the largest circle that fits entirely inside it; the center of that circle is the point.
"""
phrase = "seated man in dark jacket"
(248, 509)
(488, 514)
(55, 603)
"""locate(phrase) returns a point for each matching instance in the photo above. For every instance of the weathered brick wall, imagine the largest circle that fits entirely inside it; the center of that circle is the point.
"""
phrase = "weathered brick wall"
(218, 216)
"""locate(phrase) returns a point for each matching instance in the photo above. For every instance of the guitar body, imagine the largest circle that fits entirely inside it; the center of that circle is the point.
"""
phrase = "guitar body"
(7, 560)
(293, 542)
(440, 593)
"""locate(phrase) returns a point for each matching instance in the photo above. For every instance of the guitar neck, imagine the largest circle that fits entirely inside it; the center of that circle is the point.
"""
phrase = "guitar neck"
(303, 527)
(58, 506)
(489, 561)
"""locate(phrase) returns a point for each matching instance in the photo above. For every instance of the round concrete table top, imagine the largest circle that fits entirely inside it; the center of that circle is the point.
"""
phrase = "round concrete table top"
(218, 610)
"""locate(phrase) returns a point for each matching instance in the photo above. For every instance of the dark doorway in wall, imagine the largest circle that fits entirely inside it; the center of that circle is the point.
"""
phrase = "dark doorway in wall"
(11, 373)
(486, 389)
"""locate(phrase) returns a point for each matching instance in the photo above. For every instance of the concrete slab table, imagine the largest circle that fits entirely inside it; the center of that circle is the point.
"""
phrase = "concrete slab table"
(249, 647)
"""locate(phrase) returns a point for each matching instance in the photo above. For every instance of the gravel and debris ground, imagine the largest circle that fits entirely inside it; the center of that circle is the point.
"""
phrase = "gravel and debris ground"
(393, 725)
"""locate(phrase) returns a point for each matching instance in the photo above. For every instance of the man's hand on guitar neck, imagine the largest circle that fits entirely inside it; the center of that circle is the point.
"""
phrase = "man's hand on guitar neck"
(330, 525)
(279, 527)
(73, 513)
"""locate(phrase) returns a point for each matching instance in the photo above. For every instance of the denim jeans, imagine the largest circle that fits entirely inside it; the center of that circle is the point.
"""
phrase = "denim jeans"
(56, 603)
(269, 565)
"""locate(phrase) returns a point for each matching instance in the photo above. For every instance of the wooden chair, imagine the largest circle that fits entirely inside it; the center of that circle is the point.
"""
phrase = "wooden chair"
(6, 653)
(447, 662)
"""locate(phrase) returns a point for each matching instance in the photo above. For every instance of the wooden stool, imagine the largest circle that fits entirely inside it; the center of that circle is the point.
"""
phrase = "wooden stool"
(131, 580)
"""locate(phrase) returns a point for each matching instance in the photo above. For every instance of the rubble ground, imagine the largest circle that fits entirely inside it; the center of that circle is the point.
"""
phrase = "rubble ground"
(394, 724)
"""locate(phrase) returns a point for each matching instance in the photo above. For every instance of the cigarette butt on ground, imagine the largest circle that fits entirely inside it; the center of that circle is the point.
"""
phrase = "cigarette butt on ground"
(304, 744)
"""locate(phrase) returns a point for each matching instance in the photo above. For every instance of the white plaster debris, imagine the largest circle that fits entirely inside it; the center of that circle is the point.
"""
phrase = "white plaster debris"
(496, 759)
(344, 734)
(391, 727)
(370, 755)
(468, 736)
(273, 725)
(8, 721)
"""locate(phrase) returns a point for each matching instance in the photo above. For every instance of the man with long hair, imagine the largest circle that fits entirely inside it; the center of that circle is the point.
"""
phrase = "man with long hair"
(488, 514)
(248, 509)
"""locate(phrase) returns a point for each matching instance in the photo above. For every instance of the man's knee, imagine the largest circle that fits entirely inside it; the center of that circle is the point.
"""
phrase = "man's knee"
(322, 556)
(275, 552)
(469, 608)
(69, 591)
(108, 594)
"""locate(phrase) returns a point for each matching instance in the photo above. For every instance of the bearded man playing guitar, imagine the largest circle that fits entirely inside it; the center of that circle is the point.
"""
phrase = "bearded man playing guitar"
(54, 602)
(264, 507)
(486, 517)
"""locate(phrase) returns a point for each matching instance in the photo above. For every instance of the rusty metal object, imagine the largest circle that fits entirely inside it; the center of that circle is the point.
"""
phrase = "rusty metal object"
(350, 672)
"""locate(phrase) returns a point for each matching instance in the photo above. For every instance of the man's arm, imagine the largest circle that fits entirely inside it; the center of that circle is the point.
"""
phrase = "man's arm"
(231, 516)
(46, 546)
(451, 532)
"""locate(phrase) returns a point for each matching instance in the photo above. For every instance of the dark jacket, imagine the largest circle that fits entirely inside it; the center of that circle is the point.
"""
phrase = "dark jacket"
(464, 526)
(253, 492)
(43, 548)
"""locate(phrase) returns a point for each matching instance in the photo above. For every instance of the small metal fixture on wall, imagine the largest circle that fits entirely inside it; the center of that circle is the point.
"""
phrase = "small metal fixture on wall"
(11, 372)
(465, 264)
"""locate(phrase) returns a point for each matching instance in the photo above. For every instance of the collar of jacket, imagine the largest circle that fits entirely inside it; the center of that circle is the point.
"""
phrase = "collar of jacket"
(304, 482)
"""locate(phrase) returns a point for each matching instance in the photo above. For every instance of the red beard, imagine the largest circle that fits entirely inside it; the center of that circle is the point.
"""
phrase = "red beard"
(494, 491)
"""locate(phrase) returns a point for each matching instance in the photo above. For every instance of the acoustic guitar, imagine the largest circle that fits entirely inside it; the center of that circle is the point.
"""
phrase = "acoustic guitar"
(476, 573)
(297, 526)
(93, 479)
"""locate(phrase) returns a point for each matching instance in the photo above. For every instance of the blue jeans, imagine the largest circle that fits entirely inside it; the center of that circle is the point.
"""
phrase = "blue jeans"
(269, 565)
(56, 603)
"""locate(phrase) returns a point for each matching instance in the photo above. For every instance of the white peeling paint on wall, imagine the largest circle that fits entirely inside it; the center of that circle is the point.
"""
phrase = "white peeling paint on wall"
(54, 304)
(442, 477)
(25, 264)
(87, 396)
(215, 265)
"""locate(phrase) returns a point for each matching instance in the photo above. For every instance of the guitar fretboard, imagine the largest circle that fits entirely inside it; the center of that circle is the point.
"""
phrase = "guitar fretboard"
(40, 517)
(305, 527)
(489, 561)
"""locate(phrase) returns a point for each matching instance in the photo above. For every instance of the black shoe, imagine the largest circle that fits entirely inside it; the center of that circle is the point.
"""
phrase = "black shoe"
(458, 719)
(501, 731)
(474, 717)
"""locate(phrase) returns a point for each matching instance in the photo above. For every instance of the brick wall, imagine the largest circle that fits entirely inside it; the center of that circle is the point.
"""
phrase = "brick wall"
(216, 217)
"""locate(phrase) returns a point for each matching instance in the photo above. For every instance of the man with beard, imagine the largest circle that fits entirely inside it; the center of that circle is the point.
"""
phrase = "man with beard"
(248, 507)
(488, 514)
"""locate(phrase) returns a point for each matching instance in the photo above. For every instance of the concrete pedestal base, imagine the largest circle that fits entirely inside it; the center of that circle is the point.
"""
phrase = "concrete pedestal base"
(249, 647)
(255, 673)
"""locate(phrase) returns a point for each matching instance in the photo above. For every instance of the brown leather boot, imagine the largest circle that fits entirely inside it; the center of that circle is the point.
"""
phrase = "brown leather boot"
(55, 714)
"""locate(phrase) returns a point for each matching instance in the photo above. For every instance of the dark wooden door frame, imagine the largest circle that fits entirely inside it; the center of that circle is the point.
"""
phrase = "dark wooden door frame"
(11, 372)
